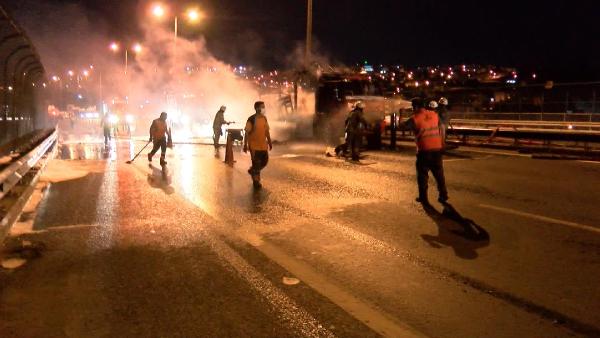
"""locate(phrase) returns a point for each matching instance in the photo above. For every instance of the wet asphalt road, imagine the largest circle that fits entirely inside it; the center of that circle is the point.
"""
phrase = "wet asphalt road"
(128, 255)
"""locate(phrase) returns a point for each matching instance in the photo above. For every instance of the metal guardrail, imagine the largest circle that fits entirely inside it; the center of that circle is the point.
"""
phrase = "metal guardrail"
(529, 134)
(529, 123)
(11, 175)
(549, 117)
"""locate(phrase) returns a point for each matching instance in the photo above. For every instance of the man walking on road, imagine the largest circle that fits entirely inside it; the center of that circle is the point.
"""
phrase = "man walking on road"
(257, 139)
(218, 123)
(158, 136)
(428, 136)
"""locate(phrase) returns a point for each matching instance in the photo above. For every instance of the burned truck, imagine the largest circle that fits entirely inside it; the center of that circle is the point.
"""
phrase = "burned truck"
(335, 96)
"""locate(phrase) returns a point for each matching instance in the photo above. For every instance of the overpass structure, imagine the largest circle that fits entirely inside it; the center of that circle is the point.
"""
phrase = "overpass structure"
(22, 80)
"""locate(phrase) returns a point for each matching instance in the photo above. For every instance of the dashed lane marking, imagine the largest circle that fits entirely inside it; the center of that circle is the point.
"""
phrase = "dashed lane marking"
(542, 218)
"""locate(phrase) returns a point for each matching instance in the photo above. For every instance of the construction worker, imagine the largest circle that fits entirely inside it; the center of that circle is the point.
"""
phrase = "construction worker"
(426, 125)
(355, 127)
(442, 111)
(257, 139)
(158, 136)
(218, 124)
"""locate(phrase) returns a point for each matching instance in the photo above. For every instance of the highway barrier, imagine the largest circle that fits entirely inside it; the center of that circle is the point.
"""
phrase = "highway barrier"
(18, 179)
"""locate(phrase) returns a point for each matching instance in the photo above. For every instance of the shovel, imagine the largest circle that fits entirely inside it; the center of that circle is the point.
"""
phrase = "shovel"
(138, 154)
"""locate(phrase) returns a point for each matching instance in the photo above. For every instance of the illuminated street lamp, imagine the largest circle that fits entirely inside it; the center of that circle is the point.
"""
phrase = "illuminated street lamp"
(71, 73)
(193, 15)
(158, 10)
(136, 48)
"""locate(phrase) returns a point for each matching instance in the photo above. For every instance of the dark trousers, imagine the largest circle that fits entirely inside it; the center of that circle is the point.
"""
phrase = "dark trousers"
(260, 158)
(162, 144)
(106, 135)
(216, 137)
(431, 161)
(354, 142)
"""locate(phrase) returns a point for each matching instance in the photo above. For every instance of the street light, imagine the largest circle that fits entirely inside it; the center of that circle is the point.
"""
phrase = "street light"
(192, 14)
(158, 10)
(136, 48)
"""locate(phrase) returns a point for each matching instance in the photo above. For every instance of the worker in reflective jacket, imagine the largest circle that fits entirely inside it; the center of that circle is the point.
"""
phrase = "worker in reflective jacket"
(159, 132)
(429, 138)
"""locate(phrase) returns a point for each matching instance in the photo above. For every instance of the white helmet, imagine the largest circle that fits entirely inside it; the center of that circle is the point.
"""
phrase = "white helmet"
(359, 105)
(223, 108)
(432, 104)
(443, 101)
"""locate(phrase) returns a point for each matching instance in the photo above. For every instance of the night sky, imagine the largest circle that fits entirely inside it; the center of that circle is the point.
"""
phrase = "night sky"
(557, 39)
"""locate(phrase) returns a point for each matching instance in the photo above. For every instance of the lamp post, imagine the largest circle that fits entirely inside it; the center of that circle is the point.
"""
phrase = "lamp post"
(309, 20)
(193, 15)
(136, 49)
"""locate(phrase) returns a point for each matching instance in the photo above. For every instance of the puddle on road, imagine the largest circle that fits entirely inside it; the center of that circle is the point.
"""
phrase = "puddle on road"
(86, 151)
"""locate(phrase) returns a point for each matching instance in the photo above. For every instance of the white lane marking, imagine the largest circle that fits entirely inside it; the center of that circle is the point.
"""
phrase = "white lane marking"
(458, 159)
(593, 162)
(505, 153)
(360, 310)
(542, 218)
(290, 312)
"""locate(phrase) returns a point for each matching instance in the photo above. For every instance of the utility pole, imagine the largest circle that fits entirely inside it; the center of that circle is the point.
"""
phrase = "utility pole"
(309, 20)
(175, 42)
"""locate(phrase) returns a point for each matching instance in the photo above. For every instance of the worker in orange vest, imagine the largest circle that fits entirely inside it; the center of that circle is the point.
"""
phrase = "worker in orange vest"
(257, 139)
(429, 138)
(159, 131)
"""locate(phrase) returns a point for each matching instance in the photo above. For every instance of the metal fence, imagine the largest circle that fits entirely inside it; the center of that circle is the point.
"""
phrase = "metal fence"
(550, 117)
(22, 79)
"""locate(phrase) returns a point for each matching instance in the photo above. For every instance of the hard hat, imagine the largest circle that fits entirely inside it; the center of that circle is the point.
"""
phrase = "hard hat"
(359, 105)
(443, 101)
(432, 104)
(222, 108)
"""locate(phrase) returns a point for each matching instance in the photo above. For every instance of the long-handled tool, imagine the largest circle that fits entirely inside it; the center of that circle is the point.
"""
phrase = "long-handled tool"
(138, 154)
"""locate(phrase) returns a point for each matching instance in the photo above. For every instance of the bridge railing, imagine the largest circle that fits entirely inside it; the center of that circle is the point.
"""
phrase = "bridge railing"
(550, 117)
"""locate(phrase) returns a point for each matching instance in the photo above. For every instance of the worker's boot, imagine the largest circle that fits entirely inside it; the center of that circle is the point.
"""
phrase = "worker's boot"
(162, 161)
(423, 200)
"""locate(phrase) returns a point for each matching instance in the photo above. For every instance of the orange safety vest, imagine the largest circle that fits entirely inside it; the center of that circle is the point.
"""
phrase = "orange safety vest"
(428, 135)
(158, 129)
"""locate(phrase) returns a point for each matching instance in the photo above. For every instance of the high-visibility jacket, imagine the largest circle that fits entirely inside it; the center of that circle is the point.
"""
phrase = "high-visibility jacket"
(427, 130)
(158, 129)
